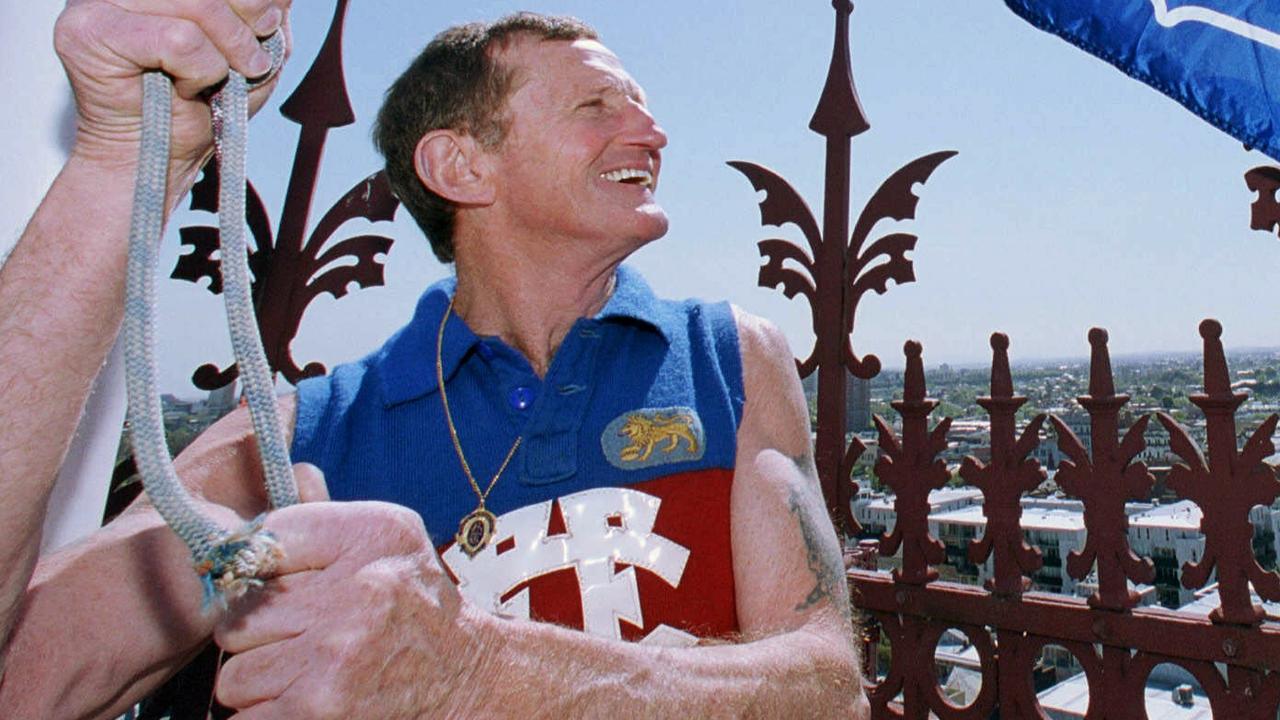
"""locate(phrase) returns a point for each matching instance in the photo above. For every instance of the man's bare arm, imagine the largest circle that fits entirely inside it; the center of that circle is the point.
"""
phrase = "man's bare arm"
(107, 619)
(61, 289)
(366, 620)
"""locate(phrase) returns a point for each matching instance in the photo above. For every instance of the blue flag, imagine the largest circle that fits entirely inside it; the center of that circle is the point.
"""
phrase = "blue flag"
(1219, 58)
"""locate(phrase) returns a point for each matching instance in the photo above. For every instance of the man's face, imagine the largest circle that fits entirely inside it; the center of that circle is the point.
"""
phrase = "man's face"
(581, 156)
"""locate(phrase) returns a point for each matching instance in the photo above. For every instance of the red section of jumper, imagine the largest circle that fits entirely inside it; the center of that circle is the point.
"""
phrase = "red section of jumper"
(695, 515)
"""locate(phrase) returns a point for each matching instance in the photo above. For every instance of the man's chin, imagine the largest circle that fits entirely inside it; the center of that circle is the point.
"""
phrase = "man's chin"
(654, 222)
(637, 228)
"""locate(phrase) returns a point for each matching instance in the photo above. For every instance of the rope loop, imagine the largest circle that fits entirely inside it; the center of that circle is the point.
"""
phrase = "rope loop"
(228, 563)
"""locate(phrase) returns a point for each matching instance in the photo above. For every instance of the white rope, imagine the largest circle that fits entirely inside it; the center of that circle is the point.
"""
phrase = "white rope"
(227, 562)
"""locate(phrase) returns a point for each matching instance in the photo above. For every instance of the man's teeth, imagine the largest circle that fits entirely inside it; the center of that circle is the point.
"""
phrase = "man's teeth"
(629, 175)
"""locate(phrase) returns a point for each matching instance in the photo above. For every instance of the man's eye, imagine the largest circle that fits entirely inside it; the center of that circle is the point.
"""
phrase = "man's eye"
(592, 103)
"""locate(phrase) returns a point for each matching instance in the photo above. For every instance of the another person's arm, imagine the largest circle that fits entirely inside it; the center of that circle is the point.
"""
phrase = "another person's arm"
(107, 619)
(366, 620)
(61, 289)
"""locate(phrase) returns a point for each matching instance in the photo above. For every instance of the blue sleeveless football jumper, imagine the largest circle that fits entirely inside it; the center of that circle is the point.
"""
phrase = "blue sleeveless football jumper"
(613, 515)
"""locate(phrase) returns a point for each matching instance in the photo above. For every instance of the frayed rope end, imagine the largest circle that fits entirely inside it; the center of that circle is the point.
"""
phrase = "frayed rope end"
(242, 561)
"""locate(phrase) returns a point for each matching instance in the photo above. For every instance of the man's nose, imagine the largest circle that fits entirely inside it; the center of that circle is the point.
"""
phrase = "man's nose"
(643, 128)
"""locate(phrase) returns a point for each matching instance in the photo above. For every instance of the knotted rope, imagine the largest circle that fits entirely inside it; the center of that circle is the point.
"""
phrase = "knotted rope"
(228, 562)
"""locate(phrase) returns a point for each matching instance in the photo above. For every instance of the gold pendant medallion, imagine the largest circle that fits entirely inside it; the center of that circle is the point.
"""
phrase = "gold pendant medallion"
(475, 531)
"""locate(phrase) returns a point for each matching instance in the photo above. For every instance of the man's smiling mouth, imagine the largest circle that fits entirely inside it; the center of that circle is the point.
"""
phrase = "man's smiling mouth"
(630, 176)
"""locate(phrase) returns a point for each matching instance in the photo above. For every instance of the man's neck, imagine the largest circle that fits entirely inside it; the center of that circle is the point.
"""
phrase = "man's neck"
(530, 302)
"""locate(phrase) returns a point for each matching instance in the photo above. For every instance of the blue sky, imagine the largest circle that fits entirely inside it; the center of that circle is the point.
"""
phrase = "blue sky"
(1079, 196)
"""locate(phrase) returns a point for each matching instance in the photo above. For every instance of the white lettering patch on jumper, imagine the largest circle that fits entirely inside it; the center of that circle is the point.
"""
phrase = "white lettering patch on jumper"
(604, 527)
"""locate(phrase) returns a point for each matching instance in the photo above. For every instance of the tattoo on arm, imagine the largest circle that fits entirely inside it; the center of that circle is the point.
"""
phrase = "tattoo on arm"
(824, 558)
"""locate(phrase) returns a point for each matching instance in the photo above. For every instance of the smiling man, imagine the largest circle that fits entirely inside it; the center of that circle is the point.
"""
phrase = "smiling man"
(590, 501)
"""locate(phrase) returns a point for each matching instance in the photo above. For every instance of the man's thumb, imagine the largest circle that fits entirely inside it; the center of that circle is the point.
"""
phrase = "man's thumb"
(311, 485)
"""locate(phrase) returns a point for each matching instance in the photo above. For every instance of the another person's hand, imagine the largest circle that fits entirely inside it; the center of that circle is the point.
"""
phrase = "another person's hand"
(106, 45)
(361, 620)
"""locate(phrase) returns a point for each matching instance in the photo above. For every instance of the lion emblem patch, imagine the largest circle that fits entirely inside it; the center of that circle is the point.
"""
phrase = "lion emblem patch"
(653, 436)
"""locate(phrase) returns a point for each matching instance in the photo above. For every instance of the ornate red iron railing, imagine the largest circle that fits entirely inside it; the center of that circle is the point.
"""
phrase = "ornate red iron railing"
(1233, 654)
(834, 273)
(1116, 645)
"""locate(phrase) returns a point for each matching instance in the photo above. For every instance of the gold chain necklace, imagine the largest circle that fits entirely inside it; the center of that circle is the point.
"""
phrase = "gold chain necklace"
(476, 529)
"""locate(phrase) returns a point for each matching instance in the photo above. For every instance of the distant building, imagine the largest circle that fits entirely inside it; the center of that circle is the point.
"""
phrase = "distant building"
(1055, 527)
(1047, 453)
(1170, 536)
(1157, 450)
(1147, 594)
(223, 400)
(875, 511)
(1081, 424)
(968, 437)
(857, 401)
(857, 404)
(945, 373)
(958, 668)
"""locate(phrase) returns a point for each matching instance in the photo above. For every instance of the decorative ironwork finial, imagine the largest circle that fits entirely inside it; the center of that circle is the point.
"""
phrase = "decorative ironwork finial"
(1101, 383)
(292, 269)
(1104, 481)
(1001, 377)
(913, 386)
(911, 467)
(1004, 479)
(839, 111)
(321, 96)
(833, 270)
(1217, 379)
(1226, 485)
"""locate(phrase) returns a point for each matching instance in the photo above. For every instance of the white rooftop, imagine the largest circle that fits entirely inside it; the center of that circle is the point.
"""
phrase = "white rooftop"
(1051, 518)
(1181, 515)
(941, 496)
(971, 515)
(1034, 517)
(1070, 699)
(948, 494)
(1207, 600)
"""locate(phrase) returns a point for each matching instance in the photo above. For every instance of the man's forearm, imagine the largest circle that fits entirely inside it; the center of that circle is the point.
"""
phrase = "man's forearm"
(544, 670)
(61, 299)
(104, 621)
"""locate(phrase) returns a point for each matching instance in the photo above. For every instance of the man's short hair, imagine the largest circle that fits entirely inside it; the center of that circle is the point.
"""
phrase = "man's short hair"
(457, 82)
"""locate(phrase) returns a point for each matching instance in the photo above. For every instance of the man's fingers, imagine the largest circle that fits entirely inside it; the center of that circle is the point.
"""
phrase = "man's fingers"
(231, 34)
(258, 675)
(278, 612)
(316, 535)
(174, 45)
(311, 484)
(262, 16)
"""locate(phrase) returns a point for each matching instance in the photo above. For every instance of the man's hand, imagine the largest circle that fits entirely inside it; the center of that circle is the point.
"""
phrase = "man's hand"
(361, 620)
(106, 45)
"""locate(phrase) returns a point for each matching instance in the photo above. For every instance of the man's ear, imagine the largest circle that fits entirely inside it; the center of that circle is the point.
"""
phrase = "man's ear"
(452, 166)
